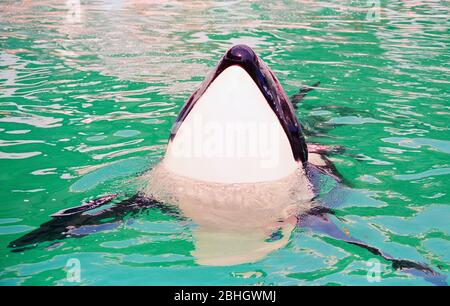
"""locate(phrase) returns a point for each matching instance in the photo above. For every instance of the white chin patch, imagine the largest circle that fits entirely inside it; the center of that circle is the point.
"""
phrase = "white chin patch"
(231, 136)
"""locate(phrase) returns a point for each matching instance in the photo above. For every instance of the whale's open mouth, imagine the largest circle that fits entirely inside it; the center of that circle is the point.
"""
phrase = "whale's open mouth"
(238, 126)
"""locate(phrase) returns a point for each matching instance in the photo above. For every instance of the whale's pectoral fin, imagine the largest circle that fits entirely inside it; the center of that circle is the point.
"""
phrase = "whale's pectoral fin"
(300, 95)
(319, 219)
(102, 214)
(319, 160)
(85, 206)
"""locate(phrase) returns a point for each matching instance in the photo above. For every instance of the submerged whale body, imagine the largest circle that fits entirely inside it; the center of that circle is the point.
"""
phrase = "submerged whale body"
(237, 165)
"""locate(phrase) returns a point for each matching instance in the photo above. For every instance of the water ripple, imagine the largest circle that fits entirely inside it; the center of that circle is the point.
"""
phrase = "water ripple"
(84, 105)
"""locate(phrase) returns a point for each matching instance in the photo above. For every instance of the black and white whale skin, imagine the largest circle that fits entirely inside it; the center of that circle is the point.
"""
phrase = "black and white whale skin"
(238, 127)
(245, 202)
(246, 64)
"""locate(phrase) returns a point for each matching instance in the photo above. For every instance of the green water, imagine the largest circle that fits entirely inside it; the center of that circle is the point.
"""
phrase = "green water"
(88, 93)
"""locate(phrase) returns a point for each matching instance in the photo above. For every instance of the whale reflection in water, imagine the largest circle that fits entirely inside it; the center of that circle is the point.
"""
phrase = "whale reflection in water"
(235, 223)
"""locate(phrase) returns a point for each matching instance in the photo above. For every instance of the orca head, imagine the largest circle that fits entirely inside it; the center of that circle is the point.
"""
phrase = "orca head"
(238, 127)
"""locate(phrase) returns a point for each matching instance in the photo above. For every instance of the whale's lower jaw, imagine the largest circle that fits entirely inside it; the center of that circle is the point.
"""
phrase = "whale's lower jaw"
(231, 136)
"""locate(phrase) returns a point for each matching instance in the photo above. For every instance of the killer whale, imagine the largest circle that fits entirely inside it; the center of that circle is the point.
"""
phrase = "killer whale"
(241, 81)
(242, 107)
(239, 68)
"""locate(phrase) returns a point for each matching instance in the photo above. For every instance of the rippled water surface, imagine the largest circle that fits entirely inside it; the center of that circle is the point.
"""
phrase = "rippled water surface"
(89, 90)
